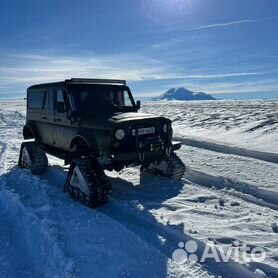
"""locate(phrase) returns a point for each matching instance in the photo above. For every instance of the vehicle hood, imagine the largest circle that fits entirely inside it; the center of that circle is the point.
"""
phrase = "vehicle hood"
(123, 117)
(110, 121)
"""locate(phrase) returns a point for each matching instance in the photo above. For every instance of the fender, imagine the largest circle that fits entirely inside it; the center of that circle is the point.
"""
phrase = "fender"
(29, 132)
(79, 140)
(96, 139)
(90, 142)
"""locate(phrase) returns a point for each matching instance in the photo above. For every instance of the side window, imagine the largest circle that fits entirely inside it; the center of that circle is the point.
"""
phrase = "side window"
(60, 101)
(127, 100)
(50, 100)
(35, 99)
(45, 101)
(120, 98)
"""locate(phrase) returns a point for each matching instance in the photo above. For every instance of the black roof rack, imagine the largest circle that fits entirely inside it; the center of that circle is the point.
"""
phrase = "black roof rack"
(77, 81)
(89, 80)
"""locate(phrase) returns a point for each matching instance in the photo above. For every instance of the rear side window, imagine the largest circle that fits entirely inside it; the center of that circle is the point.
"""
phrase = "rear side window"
(45, 101)
(35, 99)
(48, 100)
(60, 101)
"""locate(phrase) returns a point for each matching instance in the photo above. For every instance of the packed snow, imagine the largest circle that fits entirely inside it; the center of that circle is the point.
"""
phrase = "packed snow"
(228, 197)
(248, 124)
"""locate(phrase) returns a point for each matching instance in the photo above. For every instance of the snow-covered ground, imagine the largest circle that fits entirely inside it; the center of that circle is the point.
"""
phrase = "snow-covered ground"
(228, 196)
(247, 124)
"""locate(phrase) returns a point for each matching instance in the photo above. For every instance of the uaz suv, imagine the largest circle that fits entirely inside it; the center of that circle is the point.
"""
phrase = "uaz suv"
(94, 125)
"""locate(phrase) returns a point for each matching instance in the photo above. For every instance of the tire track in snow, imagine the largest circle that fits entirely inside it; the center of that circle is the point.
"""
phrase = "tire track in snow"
(148, 230)
(269, 198)
(217, 147)
(245, 202)
(148, 200)
(247, 178)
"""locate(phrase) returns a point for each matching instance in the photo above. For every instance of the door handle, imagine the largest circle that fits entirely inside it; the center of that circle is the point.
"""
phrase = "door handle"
(57, 120)
(44, 118)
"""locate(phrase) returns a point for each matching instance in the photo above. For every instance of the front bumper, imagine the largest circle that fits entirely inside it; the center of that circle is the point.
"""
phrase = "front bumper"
(152, 153)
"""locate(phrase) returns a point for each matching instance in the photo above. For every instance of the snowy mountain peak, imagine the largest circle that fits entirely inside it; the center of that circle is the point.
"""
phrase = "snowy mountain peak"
(183, 94)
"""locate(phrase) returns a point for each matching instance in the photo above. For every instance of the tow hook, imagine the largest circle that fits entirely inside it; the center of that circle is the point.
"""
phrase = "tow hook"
(168, 151)
(141, 156)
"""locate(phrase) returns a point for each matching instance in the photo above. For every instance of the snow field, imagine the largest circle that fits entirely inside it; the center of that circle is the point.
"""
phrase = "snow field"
(226, 196)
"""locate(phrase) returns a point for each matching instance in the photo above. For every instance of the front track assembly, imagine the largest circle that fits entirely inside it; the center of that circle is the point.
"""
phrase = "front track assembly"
(169, 166)
(87, 182)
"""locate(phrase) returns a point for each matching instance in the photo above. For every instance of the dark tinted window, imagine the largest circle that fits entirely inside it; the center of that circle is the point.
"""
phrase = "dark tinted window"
(89, 98)
(45, 102)
(35, 99)
(50, 100)
(60, 101)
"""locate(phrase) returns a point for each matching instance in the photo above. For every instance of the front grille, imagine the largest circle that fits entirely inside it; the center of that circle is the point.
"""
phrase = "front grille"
(141, 135)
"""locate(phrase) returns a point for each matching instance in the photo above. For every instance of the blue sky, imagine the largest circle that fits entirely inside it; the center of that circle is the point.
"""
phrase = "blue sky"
(228, 48)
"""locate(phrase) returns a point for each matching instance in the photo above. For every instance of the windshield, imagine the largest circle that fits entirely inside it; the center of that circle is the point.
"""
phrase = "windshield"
(89, 98)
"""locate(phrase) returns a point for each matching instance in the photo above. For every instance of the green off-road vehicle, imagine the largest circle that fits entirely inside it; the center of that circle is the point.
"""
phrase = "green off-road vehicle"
(94, 125)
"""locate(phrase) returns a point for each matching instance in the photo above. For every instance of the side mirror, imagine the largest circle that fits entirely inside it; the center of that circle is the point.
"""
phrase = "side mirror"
(138, 104)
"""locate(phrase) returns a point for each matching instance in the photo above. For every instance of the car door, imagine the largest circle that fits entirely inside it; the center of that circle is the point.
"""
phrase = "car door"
(62, 123)
(46, 118)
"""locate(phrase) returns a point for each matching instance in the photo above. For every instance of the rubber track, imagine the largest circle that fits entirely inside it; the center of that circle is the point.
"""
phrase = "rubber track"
(99, 184)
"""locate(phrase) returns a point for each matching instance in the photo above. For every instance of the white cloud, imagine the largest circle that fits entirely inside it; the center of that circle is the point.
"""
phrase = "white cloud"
(240, 87)
(222, 75)
(21, 70)
(217, 25)
(224, 24)
(148, 76)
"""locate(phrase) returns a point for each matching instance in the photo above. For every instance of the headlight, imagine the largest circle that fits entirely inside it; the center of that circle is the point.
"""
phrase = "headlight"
(119, 134)
(165, 128)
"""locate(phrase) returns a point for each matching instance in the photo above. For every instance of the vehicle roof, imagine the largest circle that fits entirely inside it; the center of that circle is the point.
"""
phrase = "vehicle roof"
(78, 81)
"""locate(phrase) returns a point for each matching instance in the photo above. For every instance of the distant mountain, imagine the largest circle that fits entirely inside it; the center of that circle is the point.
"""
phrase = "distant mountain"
(183, 94)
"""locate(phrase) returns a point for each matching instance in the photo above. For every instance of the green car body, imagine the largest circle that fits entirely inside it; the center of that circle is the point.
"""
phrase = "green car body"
(95, 117)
